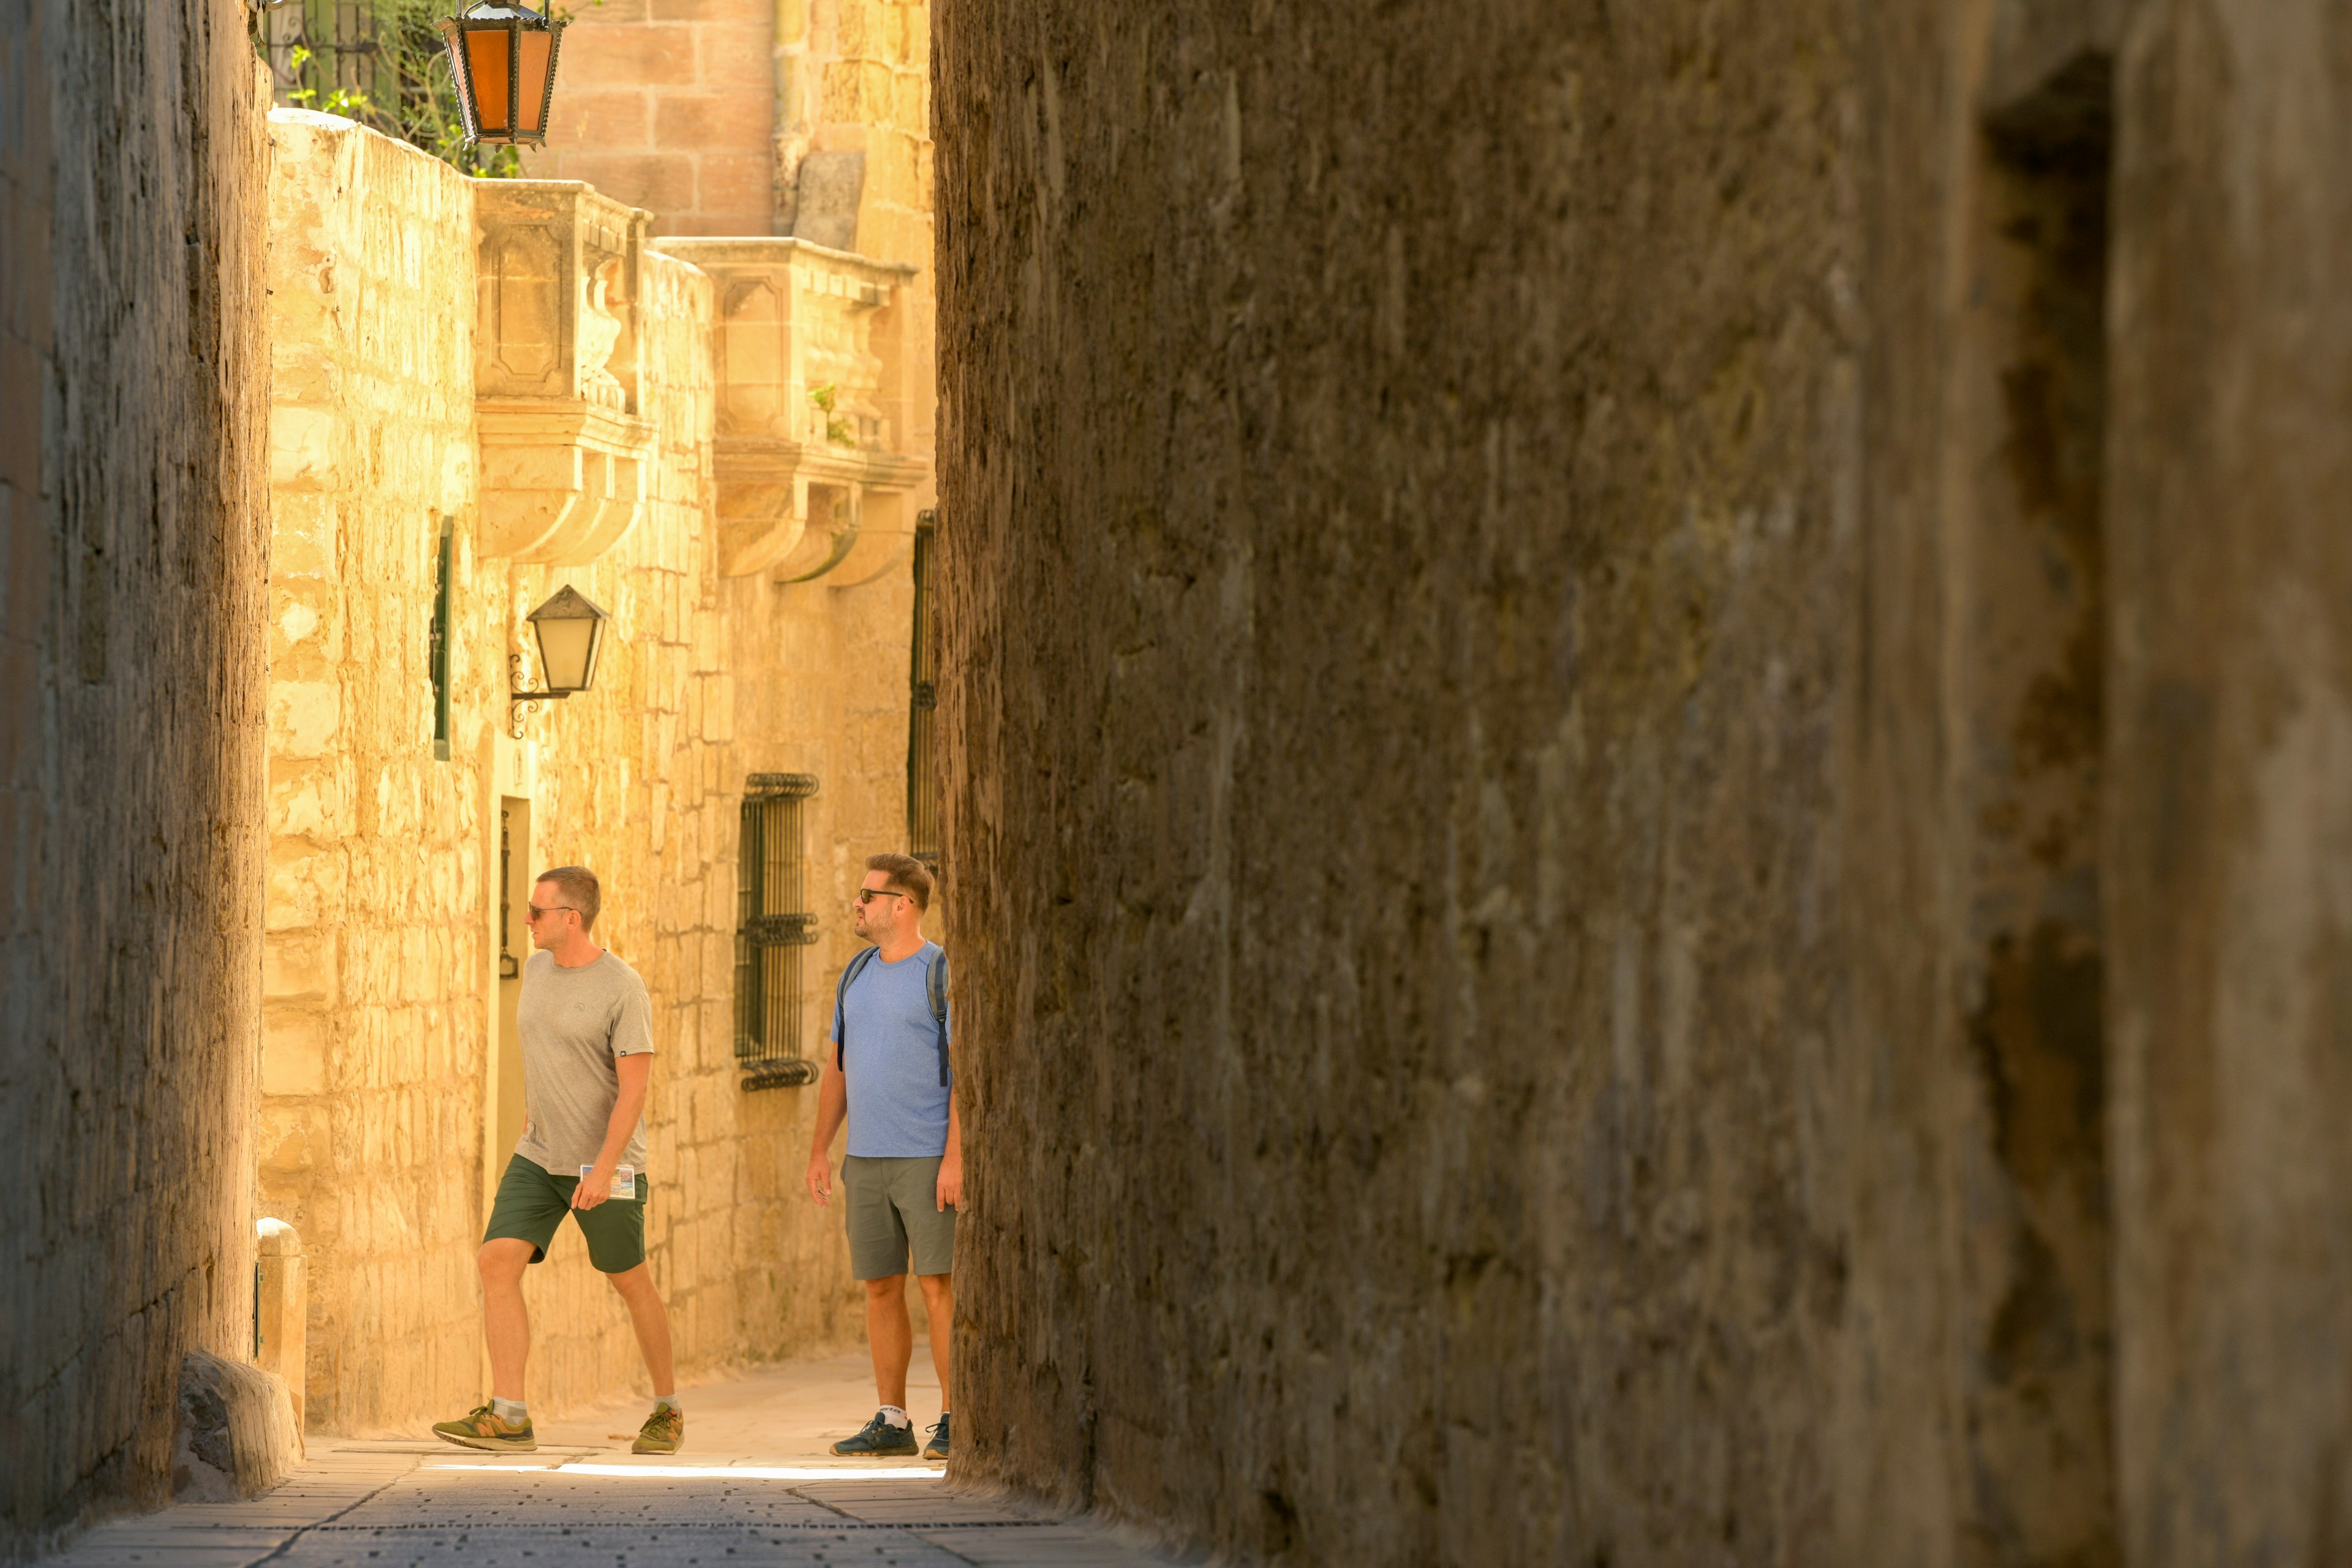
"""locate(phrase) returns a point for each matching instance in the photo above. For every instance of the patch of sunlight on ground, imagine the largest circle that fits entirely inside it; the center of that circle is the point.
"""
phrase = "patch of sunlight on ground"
(751, 1472)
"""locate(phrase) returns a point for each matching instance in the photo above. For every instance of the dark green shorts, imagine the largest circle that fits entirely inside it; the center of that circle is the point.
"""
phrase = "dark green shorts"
(893, 1210)
(531, 1204)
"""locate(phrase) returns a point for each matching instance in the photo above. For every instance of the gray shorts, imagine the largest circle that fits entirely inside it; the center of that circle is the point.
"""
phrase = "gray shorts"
(892, 1205)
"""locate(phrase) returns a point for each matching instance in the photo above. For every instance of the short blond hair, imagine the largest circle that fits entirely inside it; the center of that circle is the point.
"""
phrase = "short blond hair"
(911, 876)
(580, 890)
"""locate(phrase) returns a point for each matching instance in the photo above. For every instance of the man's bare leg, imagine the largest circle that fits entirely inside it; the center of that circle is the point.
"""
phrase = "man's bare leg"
(938, 1297)
(506, 1321)
(651, 1320)
(890, 1335)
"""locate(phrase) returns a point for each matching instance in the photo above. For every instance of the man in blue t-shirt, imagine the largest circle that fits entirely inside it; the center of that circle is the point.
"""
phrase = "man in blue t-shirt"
(889, 1074)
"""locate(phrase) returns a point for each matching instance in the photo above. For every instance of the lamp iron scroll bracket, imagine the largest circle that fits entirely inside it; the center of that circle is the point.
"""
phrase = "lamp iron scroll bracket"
(522, 701)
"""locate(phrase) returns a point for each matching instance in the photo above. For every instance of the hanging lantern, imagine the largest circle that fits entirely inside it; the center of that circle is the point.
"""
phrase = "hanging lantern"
(504, 58)
(571, 635)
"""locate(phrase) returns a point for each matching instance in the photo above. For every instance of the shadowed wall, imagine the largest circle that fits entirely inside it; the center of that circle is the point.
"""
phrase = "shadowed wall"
(1648, 797)
(132, 523)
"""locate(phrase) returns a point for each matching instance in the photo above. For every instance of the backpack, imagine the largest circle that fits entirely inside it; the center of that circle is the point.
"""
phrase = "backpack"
(935, 981)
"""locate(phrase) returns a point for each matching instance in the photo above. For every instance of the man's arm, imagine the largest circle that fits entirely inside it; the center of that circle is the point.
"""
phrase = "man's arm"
(831, 1106)
(951, 1193)
(636, 1072)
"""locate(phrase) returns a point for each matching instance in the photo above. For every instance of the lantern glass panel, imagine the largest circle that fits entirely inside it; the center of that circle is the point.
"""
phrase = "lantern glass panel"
(486, 57)
(470, 111)
(567, 651)
(530, 118)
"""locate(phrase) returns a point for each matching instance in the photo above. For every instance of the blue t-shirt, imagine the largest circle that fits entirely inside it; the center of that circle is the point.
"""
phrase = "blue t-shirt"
(897, 1107)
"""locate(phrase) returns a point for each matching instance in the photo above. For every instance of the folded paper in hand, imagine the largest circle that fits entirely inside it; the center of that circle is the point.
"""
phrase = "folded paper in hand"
(624, 1180)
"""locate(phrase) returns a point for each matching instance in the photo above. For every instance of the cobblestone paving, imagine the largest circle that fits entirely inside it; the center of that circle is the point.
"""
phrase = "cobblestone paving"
(754, 1486)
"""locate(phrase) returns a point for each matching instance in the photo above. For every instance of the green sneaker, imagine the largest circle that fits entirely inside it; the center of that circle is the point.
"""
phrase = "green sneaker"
(483, 1429)
(937, 1449)
(878, 1439)
(664, 1430)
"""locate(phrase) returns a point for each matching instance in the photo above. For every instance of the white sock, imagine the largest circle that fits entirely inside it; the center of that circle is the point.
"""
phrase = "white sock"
(509, 1410)
(670, 1400)
(895, 1417)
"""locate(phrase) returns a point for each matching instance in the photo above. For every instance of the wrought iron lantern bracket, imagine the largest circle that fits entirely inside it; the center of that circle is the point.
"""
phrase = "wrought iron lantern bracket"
(524, 700)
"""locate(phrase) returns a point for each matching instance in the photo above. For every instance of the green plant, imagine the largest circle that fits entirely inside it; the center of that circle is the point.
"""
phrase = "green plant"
(836, 428)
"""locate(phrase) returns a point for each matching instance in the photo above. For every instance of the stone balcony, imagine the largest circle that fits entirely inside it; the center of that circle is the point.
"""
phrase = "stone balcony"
(565, 445)
(811, 471)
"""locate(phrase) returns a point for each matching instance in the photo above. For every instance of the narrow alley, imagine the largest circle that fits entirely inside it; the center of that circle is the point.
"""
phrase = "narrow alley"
(755, 1486)
(1523, 783)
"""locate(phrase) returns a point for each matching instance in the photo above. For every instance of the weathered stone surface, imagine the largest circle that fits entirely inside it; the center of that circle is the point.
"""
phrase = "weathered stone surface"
(1400, 518)
(132, 522)
(2230, 736)
(238, 1435)
(1650, 793)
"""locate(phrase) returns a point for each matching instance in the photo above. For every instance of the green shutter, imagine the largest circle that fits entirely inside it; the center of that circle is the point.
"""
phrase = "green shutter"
(440, 656)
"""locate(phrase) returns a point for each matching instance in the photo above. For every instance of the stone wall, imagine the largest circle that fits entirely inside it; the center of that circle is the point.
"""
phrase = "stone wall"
(706, 111)
(372, 1055)
(2232, 848)
(670, 105)
(131, 536)
(1656, 874)
(383, 1114)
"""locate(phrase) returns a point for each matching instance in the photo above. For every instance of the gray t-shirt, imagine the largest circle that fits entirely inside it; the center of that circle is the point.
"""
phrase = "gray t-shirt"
(574, 1023)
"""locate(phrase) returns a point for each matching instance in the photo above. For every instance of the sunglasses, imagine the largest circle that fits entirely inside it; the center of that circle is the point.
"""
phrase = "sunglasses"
(532, 911)
(867, 895)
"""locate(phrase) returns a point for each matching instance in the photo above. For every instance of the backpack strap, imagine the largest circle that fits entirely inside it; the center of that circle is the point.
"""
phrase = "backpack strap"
(849, 972)
(935, 980)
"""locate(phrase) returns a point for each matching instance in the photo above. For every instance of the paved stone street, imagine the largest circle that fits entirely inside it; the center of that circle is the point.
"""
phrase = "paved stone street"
(754, 1485)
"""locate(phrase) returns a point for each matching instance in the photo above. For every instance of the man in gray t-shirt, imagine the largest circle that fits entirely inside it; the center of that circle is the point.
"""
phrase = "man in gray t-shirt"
(586, 1028)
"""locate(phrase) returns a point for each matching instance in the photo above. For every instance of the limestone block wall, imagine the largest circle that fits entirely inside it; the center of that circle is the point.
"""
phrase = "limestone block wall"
(374, 1050)
(378, 1138)
(860, 82)
(866, 86)
(1398, 617)
(132, 528)
(1649, 777)
(671, 108)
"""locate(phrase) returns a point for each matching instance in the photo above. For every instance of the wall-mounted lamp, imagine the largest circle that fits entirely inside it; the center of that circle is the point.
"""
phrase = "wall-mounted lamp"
(504, 60)
(570, 631)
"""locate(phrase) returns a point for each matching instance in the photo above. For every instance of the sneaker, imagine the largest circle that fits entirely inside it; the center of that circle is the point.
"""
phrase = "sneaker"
(483, 1429)
(937, 1449)
(662, 1433)
(878, 1439)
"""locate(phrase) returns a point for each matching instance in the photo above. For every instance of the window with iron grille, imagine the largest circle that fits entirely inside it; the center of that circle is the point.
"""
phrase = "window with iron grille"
(773, 934)
(922, 706)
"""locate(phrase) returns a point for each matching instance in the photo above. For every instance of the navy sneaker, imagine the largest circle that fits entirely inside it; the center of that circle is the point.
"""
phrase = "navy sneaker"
(937, 1449)
(880, 1439)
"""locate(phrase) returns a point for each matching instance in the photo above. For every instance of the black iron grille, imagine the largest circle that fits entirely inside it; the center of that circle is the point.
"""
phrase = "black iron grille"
(773, 931)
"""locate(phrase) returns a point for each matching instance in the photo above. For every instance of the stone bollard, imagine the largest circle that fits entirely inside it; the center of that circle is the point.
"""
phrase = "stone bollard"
(282, 1306)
